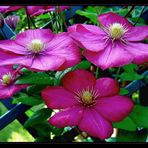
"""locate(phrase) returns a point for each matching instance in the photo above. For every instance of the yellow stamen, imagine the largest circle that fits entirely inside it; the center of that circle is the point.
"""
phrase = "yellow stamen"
(36, 46)
(87, 97)
(6, 79)
(117, 30)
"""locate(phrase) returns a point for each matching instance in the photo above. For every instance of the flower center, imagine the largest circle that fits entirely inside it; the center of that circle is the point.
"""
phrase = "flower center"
(117, 30)
(6, 79)
(36, 46)
(87, 96)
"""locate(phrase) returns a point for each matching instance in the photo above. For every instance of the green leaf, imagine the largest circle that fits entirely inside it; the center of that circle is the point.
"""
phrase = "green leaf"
(146, 79)
(140, 20)
(35, 89)
(93, 9)
(57, 131)
(26, 71)
(123, 91)
(82, 65)
(91, 15)
(42, 139)
(28, 100)
(126, 136)
(111, 139)
(36, 78)
(130, 73)
(139, 115)
(38, 117)
(126, 124)
(43, 16)
(43, 129)
(135, 13)
(130, 67)
(130, 76)
(101, 9)
(123, 12)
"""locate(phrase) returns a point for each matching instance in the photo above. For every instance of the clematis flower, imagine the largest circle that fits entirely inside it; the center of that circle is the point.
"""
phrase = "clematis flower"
(41, 50)
(90, 104)
(7, 82)
(37, 10)
(115, 44)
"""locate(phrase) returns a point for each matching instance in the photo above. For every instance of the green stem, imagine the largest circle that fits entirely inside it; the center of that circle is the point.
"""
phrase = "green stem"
(56, 16)
(97, 72)
(63, 20)
(60, 19)
(28, 21)
(117, 74)
(32, 22)
(51, 21)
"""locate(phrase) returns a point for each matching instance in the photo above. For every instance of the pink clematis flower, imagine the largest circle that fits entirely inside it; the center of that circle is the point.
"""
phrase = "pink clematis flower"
(7, 82)
(41, 50)
(90, 104)
(37, 10)
(115, 44)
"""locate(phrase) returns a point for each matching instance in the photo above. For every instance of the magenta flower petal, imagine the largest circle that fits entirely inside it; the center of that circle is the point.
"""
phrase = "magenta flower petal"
(114, 108)
(107, 87)
(16, 59)
(6, 9)
(139, 52)
(110, 18)
(89, 36)
(13, 8)
(95, 125)
(46, 62)
(137, 33)
(39, 12)
(112, 56)
(24, 38)
(3, 8)
(78, 80)
(67, 117)
(57, 97)
(5, 70)
(33, 9)
(63, 46)
(9, 91)
(12, 46)
(86, 29)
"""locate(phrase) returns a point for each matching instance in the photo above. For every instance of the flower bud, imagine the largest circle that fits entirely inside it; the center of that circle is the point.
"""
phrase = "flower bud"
(12, 21)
